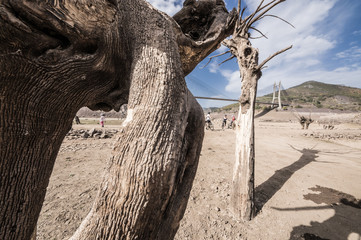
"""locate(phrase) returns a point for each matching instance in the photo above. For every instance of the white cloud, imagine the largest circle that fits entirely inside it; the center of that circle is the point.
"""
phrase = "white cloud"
(307, 38)
(168, 6)
(234, 80)
(357, 32)
(353, 53)
(213, 67)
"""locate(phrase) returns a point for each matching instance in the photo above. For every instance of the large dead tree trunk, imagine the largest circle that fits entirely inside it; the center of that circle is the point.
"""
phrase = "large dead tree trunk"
(242, 197)
(57, 56)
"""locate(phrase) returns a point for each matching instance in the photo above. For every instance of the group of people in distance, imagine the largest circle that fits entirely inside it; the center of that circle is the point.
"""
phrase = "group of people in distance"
(224, 122)
(101, 120)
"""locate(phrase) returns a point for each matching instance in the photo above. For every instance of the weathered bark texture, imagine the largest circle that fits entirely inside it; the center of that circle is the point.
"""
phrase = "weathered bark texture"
(201, 32)
(57, 56)
(242, 198)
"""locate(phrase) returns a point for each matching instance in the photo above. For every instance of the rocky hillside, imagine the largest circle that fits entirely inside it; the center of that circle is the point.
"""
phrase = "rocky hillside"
(314, 94)
(321, 95)
(87, 113)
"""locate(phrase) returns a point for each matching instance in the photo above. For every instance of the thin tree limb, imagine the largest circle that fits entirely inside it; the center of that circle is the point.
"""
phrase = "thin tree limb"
(238, 23)
(263, 35)
(253, 20)
(272, 56)
(230, 58)
(244, 9)
(271, 15)
(256, 37)
(267, 5)
(255, 12)
(259, 6)
(239, 7)
(210, 58)
(220, 54)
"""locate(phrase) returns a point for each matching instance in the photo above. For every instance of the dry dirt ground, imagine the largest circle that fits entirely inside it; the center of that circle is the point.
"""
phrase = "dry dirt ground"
(307, 183)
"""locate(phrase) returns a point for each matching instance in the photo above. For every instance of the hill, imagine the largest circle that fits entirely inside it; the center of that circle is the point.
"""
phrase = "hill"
(315, 94)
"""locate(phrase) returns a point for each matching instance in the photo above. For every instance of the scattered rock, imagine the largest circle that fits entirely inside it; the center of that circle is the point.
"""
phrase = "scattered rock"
(92, 133)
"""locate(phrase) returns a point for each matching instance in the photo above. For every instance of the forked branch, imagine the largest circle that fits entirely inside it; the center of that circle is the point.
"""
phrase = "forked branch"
(272, 56)
(254, 19)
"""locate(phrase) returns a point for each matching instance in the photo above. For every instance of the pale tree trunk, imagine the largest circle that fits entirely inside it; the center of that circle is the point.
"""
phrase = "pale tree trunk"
(242, 196)
(57, 56)
(247, 57)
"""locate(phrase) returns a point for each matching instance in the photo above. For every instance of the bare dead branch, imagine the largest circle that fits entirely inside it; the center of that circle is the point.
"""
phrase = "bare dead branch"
(253, 20)
(270, 15)
(220, 54)
(263, 35)
(228, 59)
(259, 6)
(258, 10)
(272, 56)
(244, 9)
(210, 58)
(267, 5)
(238, 22)
(256, 37)
(249, 18)
(239, 7)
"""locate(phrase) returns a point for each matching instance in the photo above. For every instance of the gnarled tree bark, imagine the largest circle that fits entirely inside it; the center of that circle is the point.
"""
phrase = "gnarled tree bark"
(57, 56)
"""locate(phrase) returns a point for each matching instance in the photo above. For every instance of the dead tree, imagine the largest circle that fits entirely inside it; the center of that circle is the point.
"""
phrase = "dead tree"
(250, 71)
(58, 56)
(304, 121)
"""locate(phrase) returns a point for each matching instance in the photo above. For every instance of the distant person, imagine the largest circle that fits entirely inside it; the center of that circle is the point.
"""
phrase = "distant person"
(224, 123)
(102, 119)
(208, 117)
(209, 125)
(233, 122)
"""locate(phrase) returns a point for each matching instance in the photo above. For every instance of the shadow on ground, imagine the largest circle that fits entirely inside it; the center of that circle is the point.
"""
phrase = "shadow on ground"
(265, 191)
(344, 224)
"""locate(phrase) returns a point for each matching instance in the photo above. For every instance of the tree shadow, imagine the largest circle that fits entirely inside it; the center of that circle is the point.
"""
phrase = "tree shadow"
(265, 191)
(264, 112)
(344, 224)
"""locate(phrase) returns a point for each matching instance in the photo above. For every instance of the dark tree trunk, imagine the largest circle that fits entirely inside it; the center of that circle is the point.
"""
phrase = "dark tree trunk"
(57, 56)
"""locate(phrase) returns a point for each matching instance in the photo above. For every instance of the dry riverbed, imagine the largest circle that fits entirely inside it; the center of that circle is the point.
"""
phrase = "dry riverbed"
(307, 183)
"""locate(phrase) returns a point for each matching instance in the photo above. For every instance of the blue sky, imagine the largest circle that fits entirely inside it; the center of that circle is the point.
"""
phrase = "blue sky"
(326, 47)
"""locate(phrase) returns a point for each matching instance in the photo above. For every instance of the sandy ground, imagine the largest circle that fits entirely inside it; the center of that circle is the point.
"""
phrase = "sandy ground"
(307, 186)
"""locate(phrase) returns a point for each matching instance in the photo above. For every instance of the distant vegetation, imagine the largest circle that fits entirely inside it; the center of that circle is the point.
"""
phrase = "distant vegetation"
(313, 94)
